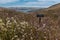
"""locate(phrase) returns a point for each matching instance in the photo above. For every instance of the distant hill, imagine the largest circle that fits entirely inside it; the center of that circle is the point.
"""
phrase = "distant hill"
(24, 9)
(54, 9)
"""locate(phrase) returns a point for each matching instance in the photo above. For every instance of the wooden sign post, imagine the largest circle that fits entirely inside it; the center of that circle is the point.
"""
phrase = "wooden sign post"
(40, 16)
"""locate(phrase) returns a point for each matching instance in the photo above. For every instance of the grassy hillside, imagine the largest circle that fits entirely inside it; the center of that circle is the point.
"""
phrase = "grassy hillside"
(21, 26)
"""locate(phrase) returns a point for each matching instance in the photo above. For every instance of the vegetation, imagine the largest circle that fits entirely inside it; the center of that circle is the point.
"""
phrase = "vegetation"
(19, 26)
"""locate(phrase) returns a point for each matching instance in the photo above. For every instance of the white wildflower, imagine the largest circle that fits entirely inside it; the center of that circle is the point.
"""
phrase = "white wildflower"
(31, 37)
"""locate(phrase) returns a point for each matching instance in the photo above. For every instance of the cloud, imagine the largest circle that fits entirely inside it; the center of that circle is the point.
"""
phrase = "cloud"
(33, 4)
(7, 1)
(27, 6)
(29, 3)
(40, 3)
(44, 0)
(57, 1)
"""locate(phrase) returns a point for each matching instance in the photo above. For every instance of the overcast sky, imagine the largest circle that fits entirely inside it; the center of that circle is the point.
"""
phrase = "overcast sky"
(28, 3)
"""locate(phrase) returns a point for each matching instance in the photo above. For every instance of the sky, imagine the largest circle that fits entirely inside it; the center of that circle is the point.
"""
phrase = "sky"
(28, 3)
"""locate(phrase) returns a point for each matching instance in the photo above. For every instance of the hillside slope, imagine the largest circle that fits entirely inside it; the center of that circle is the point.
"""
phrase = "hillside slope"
(51, 20)
(49, 26)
